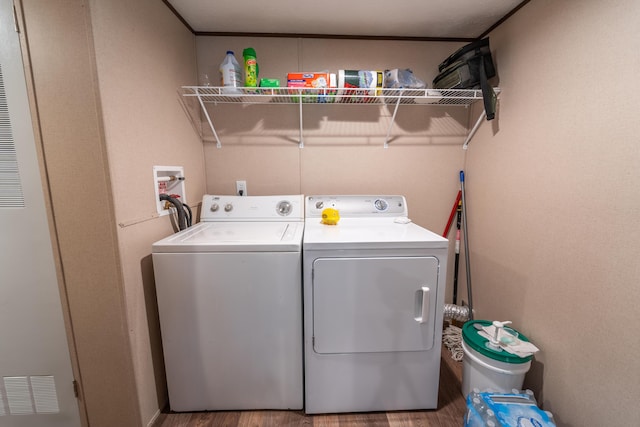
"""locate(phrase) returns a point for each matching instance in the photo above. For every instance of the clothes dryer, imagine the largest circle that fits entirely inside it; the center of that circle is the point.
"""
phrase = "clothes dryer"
(230, 305)
(373, 307)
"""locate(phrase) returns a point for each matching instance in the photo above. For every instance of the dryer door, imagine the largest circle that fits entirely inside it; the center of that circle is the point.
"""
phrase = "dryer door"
(374, 304)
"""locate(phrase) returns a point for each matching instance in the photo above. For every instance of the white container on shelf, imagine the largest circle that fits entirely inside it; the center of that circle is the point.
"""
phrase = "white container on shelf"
(230, 74)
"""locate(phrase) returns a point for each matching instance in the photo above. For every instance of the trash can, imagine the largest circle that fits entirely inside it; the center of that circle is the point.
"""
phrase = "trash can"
(488, 368)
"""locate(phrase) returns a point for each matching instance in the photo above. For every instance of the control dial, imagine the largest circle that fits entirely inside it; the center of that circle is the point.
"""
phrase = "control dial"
(214, 207)
(381, 204)
(228, 207)
(319, 205)
(283, 208)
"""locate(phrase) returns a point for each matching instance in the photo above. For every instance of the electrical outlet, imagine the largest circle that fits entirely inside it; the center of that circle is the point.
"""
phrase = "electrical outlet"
(241, 188)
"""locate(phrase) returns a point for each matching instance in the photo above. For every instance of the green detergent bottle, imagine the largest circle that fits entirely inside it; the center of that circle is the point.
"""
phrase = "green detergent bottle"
(251, 69)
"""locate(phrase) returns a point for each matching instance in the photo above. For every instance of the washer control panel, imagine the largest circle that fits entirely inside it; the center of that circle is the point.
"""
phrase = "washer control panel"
(252, 208)
(357, 206)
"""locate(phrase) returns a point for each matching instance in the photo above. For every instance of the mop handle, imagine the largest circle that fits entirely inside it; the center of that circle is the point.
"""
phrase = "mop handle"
(466, 244)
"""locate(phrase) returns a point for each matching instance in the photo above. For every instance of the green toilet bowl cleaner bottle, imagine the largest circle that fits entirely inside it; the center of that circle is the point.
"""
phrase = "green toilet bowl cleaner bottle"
(251, 69)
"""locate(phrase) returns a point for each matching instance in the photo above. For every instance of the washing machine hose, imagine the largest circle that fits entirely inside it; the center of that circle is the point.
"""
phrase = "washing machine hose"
(183, 222)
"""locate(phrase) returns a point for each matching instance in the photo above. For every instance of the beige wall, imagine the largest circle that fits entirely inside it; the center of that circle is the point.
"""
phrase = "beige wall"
(143, 55)
(106, 76)
(343, 152)
(343, 144)
(68, 112)
(553, 201)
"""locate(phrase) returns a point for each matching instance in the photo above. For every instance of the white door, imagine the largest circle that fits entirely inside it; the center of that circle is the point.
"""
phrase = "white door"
(374, 304)
(36, 379)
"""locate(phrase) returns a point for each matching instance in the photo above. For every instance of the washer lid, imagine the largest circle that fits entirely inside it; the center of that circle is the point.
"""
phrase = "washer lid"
(235, 237)
(367, 233)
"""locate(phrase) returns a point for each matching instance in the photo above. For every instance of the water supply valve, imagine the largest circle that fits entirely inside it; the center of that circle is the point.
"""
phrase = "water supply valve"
(168, 180)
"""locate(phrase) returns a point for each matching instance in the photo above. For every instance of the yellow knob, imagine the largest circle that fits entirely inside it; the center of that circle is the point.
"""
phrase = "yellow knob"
(330, 216)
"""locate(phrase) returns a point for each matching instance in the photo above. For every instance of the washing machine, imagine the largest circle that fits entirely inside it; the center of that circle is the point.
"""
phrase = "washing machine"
(230, 305)
(373, 306)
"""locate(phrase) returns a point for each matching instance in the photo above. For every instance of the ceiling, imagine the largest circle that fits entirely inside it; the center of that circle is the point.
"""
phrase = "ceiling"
(422, 19)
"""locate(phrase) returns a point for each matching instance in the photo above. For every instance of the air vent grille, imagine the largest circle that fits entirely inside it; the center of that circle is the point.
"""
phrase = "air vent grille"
(26, 395)
(18, 395)
(10, 186)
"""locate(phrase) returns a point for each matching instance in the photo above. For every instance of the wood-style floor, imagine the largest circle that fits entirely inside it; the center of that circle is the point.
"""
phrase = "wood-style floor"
(450, 412)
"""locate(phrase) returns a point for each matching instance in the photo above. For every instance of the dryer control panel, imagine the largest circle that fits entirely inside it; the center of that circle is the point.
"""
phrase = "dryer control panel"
(357, 206)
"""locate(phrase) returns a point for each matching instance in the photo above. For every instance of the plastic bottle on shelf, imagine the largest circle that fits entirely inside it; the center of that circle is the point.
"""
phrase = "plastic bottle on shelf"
(251, 69)
(230, 74)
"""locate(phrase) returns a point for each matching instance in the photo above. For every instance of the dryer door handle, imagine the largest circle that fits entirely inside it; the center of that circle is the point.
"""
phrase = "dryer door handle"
(421, 307)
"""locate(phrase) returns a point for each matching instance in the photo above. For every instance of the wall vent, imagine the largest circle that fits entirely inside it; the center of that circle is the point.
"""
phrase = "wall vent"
(28, 395)
(10, 187)
(44, 394)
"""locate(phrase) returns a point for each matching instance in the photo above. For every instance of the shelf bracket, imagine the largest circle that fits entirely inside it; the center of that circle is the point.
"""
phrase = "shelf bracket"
(206, 114)
(301, 141)
(474, 130)
(393, 119)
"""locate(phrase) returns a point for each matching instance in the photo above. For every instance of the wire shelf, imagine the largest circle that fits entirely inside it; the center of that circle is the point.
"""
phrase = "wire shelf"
(214, 95)
(355, 96)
